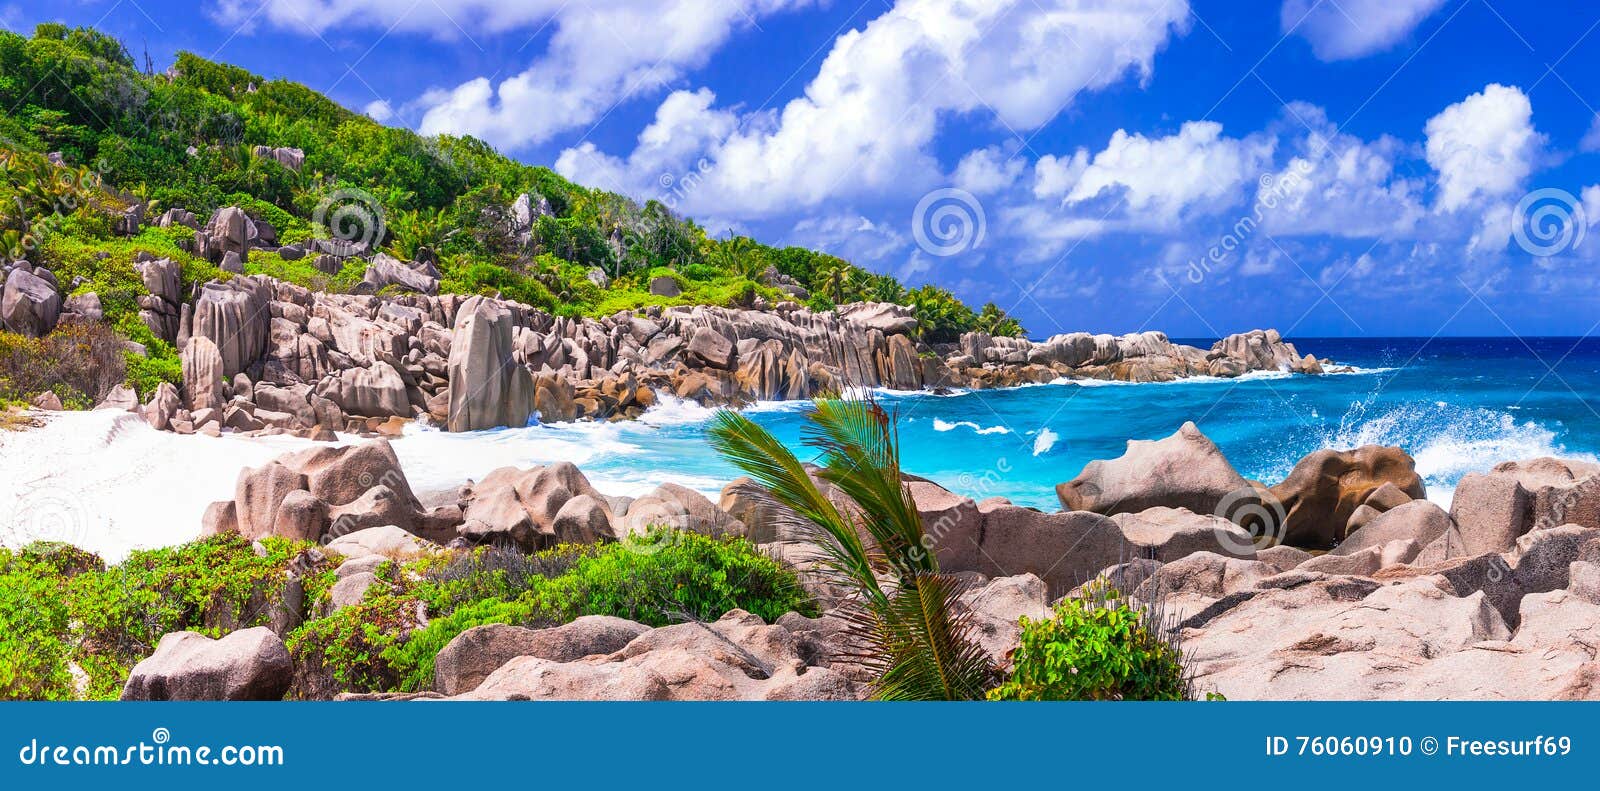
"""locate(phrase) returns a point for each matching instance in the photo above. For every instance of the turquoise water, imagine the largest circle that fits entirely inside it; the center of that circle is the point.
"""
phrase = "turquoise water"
(1455, 404)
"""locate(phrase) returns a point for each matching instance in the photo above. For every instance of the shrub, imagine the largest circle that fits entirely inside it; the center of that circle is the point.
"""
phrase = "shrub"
(60, 607)
(1099, 647)
(686, 576)
(80, 362)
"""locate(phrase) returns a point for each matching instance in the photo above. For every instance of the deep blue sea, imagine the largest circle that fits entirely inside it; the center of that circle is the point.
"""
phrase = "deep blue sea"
(1455, 404)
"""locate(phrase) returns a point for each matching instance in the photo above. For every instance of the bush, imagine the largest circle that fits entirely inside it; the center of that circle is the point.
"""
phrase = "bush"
(80, 362)
(60, 607)
(1100, 647)
(686, 576)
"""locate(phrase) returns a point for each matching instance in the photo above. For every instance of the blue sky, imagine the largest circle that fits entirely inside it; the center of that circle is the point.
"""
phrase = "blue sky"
(1328, 167)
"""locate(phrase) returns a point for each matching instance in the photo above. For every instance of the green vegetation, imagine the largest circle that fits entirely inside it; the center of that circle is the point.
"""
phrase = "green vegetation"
(918, 645)
(1097, 647)
(63, 613)
(61, 608)
(186, 138)
(380, 645)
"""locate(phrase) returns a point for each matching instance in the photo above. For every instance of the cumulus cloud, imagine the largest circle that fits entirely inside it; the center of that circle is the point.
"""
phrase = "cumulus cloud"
(379, 110)
(1591, 139)
(1337, 184)
(600, 54)
(1483, 146)
(662, 164)
(988, 170)
(1163, 179)
(1353, 28)
(866, 121)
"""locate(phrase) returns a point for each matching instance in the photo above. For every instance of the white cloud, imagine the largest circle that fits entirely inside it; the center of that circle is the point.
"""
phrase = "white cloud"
(1483, 146)
(1344, 29)
(849, 236)
(988, 170)
(1337, 184)
(866, 121)
(601, 55)
(662, 164)
(1591, 139)
(379, 110)
(1162, 179)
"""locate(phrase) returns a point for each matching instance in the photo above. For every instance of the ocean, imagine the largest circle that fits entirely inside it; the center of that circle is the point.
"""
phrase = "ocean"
(108, 482)
(1455, 404)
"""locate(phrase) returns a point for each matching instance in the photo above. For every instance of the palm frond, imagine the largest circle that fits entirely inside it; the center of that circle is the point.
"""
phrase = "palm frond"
(754, 450)
(929, 652)
(909, 630)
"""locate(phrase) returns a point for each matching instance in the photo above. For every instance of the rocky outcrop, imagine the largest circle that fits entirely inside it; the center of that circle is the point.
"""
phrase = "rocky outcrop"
(738, 657)
(390, 349)
(1185, 470)
(385, 271)
(489, 386)
(325, 493)
(1326, 488)
(251, 664)
(473, 655)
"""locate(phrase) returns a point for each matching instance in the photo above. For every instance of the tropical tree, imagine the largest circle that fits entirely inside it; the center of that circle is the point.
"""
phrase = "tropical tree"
(994, 321)
(837, 280)
(904, 626)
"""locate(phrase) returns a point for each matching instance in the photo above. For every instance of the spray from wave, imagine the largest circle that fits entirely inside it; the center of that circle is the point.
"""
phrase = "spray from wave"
(944, 425)
(1447, 441)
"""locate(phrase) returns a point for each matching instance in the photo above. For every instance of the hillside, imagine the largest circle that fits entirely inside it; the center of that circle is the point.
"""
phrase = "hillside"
(106, 163)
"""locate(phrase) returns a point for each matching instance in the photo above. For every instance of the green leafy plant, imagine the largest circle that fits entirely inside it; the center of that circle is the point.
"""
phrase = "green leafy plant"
(682, 577)
(1098, 646)
(907, 631)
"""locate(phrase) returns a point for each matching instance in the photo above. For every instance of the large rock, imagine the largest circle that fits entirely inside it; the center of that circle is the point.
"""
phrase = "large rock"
(203, 375)
(885, 317)
(375, 391)
(1326, 487)
(528, 508)
(234, 315)
(1491, 513)
(1336, 638)
(385, 271)
(1418, 520)
(737, 657)
(31, 305)
(1185, 470)
(488, 386)
(996, 609)
(468, 659)
(250, 664)
(1065, 548)
(678, 507)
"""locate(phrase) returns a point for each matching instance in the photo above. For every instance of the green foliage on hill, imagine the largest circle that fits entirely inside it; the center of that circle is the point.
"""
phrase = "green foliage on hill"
(186, 139)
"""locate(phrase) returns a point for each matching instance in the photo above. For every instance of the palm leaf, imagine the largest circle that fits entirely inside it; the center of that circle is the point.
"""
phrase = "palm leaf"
(909, 630)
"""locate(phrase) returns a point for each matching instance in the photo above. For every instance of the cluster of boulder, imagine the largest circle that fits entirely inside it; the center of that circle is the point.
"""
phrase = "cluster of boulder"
(261, 355)
(1339, 582)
